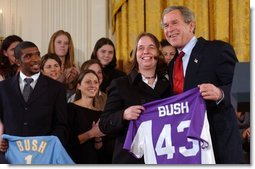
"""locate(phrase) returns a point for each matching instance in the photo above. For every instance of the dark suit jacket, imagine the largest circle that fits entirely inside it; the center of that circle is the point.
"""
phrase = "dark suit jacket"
(214, 62)
(45, 112)
(124, 92)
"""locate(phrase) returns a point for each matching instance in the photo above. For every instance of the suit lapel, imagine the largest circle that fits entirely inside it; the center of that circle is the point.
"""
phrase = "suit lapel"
(16, 87)
(171, 68)
(193, 65)
(40, 89)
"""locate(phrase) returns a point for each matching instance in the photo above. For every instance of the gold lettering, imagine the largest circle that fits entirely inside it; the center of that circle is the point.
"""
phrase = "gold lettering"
(27, 144)
(19, 144)
(34, 144)
(42, 146)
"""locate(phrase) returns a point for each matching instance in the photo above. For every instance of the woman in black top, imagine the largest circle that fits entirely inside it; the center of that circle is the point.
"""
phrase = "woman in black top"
(104, 51)
(127, 94)
(86, 138)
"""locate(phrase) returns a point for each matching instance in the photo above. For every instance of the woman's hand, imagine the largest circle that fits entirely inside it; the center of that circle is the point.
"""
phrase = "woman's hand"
(92, 133)
(71, 74)
(95, 131)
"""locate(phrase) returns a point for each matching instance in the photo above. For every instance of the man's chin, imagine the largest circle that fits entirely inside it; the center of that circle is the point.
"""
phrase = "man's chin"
(36, 71)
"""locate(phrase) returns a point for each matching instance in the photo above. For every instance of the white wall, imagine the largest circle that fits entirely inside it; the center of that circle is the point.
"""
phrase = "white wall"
(37, 20)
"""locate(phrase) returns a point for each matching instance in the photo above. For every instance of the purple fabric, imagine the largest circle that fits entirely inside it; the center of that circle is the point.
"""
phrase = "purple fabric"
(186, 108)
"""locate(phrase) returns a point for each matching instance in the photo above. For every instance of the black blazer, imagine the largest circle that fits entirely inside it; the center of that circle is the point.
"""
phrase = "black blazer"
(124, 92)
(214, 62)
(45, 113)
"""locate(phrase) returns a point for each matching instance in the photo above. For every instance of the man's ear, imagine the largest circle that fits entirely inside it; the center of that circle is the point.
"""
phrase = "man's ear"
(5, 52)
(193, 26)
(78, 86)
(17, 61)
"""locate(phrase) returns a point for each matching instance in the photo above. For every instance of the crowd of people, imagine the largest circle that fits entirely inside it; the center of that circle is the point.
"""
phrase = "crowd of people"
(89, 108)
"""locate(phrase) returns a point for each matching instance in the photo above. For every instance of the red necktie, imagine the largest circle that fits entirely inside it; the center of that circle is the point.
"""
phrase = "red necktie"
(178, 76)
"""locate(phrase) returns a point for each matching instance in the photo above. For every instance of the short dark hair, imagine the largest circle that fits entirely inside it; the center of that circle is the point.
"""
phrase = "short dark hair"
(50, 56)
(164, 43)
(23, 45)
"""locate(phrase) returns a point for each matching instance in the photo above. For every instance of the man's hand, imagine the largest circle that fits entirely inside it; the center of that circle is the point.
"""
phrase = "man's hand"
(210, 92)
(3, 145)
(133, 112)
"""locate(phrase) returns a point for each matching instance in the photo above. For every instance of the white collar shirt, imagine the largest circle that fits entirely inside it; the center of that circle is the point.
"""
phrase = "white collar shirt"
(22, 83)
(147, 81)
(187, 50)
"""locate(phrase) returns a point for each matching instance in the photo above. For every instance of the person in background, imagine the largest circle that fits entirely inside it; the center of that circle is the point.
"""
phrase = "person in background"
(167, 54)
(43, 112)
(245, 133)
(168, 51)
(99, 103)
(97, 67)
(8, 64)
(61, 44)
(127, 94)
(51, 66)
(104, 51)
(83, 117)
(208, 65)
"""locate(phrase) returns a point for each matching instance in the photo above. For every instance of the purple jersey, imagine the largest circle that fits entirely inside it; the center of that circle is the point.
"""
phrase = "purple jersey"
(174, 130)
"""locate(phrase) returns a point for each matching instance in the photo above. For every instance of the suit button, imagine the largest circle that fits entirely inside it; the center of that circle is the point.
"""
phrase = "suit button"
(111, 123)
(25, 123)
(26, 108)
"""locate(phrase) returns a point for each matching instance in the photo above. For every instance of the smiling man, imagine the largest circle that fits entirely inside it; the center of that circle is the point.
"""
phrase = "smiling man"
(210, 66)
(33, 107)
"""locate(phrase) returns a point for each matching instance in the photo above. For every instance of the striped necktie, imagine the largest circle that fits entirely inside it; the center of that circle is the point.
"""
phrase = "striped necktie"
(27, 88)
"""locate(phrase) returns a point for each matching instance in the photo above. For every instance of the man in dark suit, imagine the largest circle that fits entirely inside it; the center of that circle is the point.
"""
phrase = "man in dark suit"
(208, 65)
(44, 112)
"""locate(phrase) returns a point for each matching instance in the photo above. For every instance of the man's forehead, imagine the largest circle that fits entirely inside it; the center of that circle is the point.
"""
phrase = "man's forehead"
(30, 49)
(173, 15)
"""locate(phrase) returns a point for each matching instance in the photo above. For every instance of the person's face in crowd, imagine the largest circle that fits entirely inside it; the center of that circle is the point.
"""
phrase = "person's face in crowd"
(168, 53)
(147, 54)
(61, 45)
(89, 85)
(105, 54)
(10, 52)
(30, 61)
(177, 32)
(52, 69)
(96, 68)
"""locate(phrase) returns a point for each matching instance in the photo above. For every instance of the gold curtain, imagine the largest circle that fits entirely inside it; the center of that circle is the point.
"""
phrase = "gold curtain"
(227, 20)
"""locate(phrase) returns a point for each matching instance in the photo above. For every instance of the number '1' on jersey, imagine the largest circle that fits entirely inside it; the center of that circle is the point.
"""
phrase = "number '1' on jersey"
(36, 150)
(173, 130)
